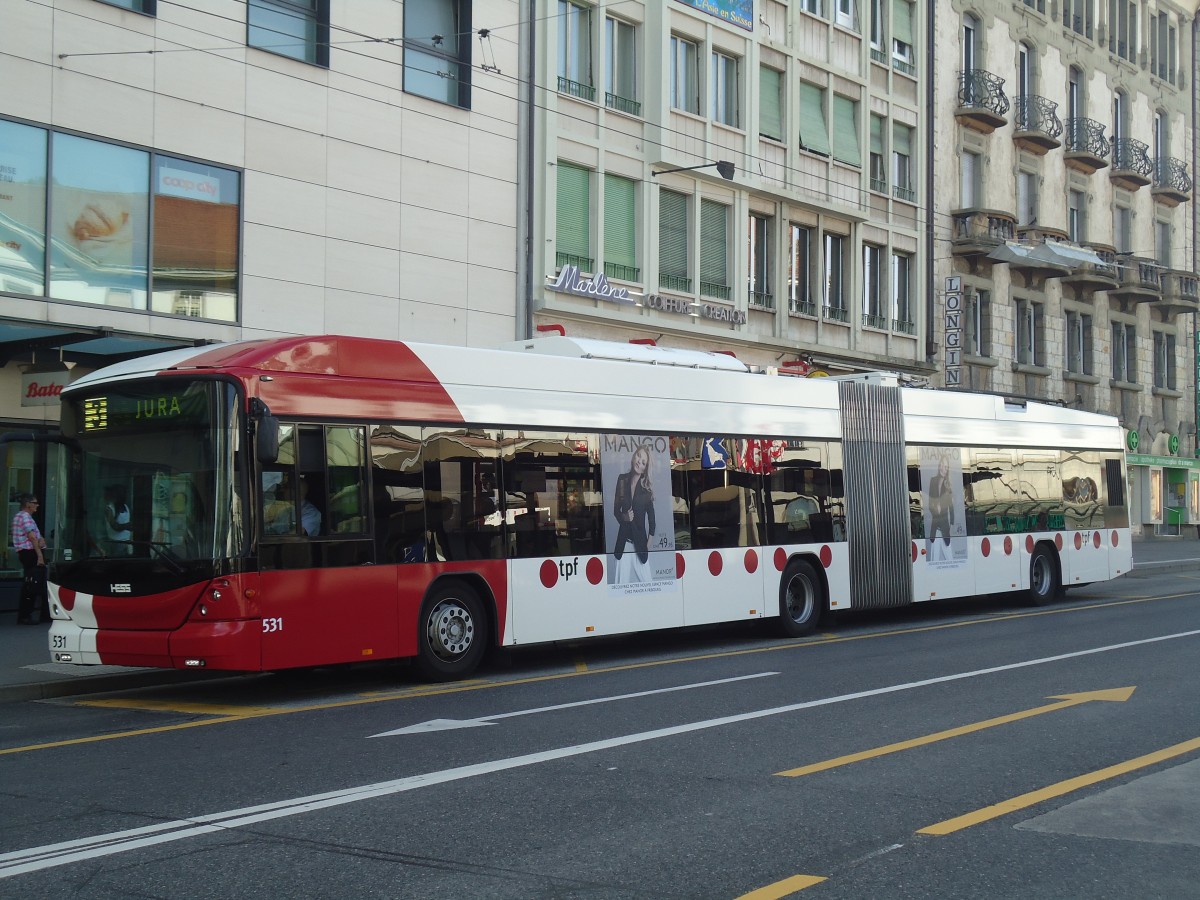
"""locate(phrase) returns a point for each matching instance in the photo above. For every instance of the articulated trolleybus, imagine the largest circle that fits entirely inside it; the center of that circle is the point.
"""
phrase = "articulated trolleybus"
(312, 501)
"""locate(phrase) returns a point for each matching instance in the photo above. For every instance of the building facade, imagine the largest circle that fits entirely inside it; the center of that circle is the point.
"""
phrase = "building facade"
(182, 173)
(1065, 232)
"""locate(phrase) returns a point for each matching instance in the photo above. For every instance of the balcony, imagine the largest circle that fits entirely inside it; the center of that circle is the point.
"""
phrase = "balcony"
(1172, 185)
(1131, 166)
(1180, 293)
(1091, 275)
(982, 103)
(1039, 128)
(1139, 280)
(977, 232)
(1087, 148)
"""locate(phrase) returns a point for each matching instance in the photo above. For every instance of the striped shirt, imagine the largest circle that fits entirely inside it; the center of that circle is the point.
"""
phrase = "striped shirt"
(25, 534)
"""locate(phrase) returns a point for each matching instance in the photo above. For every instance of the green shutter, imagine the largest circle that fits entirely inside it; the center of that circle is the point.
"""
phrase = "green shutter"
(845, 131)
(770, 121)
(877, 135)
(714, 219)
(573, 236)
(620, 231)
(902, 140)
(814, 133)
(902, 24)
(672, 234)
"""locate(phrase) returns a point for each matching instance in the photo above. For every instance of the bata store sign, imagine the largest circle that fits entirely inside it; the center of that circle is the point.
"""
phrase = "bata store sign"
(43, 388)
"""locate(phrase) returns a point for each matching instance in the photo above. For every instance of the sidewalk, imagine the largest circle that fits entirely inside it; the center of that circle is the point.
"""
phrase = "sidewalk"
(27, 674)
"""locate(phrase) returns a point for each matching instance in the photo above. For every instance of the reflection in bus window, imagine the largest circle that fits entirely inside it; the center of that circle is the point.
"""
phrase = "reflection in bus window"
(345, 501)
(460, 468)
(1082, 475)
(553, 503)
(723, 503)
(993, 493)
(398, 493)
(805, 500)
(1041, 488)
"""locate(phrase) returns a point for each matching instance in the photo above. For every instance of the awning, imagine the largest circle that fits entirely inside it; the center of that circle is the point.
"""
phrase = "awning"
(1047, 255)
(26, 341)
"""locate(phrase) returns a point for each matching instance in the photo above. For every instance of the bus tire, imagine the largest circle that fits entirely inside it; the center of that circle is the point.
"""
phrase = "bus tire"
(801, 597)
(452, 632)
(1045, 584)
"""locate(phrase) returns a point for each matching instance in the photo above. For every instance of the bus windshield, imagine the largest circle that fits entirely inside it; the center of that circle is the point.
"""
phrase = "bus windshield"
(155, 478)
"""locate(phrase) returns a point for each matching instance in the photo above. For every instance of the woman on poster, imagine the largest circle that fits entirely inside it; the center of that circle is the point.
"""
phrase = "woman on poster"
(633, 507)
(941, 510)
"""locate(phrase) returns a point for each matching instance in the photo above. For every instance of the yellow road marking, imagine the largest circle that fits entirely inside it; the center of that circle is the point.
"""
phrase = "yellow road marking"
(461, 687)
(784, 888)
(202, 709)
(1118, 695)
(1057, 790)
(581, 665)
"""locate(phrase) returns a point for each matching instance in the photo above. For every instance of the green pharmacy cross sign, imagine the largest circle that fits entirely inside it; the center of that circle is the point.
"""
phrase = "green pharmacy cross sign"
(1132, 440)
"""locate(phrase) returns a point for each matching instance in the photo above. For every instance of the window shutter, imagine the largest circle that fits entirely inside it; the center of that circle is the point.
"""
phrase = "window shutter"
(672, 234)
(574, 210)
(770, 120)
(845, 131)
(620, 232)
(902, 140)
(814, 133)
(902, 25)
(714, 219)
(877, 135)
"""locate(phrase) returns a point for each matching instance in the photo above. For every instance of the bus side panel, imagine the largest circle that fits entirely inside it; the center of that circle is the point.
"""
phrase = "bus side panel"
(942, 579)
(314, 617)
(1120, 553)
(725, 585)
(135, 648)
(1082, 561)
(1000, 569)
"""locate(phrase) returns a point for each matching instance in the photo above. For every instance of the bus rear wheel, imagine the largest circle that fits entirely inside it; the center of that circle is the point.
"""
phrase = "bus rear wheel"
(800, 599)
(452, 632)
(1044, 582)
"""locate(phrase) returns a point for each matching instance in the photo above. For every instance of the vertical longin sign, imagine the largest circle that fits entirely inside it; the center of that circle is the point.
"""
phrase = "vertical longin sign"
(953, 331)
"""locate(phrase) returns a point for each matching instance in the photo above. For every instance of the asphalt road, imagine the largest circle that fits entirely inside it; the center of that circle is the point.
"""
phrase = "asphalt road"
(972, 750)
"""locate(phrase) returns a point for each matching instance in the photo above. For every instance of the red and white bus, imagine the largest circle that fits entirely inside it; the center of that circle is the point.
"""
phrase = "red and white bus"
(320, 500)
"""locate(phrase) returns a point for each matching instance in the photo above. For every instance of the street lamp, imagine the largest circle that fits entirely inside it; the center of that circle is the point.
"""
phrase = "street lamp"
(724, 168)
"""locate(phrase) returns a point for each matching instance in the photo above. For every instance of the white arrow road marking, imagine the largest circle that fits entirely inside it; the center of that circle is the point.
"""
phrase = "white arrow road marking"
(20, 862)
(448, 724)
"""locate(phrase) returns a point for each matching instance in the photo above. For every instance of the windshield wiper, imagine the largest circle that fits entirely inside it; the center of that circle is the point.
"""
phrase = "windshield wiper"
(160, 549)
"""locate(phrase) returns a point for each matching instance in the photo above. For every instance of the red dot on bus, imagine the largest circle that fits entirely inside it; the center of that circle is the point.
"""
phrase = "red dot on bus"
(751, 561)
(914, 551)
(1058, 541)
(595, 570)
(714, 563)
(986, 547)
(780, 558)
(1078, 541)
(1114, 538)
(826, 556)
(1096, 539)
(549, 573)
(1029, 543)
(1008, 546)
(679, 565)
(66, 598)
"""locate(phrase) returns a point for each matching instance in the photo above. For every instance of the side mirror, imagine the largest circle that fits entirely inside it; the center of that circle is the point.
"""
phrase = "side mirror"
(268, 439)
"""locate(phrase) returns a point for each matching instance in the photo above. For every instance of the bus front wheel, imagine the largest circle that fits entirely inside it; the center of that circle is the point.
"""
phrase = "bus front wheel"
(1044, 582)
(452, 633)
(800, 599)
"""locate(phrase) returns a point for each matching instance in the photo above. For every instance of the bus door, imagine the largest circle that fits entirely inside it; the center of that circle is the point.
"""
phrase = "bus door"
(323, 599)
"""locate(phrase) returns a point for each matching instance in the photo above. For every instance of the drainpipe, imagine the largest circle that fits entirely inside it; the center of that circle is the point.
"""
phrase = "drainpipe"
(528, 106)
(930, 107)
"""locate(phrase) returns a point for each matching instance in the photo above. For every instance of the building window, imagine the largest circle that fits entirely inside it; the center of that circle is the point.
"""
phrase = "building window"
(1027, 199)
(903, 58)
(878, 169)
(147, 7)
(902, 314)
(1077, 16)
(845, 13)
(573, 233)
(620, 229)
(1122, 28)
(673, 268)
(902, 162)
(1123, 229)
(1076, 219)
(1164, 360)
(1031, 333)
(437, 51)
(714, 256)
(834, 282)
(814, 133)
(978, 325)
(685, 79)
(1162, 244)
(813, 7)
(575, 51)
(876, 26)
(724, 89)
(770, 103)
(873, 275)
(1124, 352)
(620, 73)
(970, 185)
(295, 28)
(845, 131)
(188, 303)
(1079, 343)
(799, 257)
(760, 262)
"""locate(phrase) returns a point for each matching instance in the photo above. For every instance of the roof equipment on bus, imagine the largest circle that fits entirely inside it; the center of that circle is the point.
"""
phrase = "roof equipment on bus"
(591, 348)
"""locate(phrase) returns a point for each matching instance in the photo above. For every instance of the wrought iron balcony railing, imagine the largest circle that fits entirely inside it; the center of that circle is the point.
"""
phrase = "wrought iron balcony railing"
(715, 290)
(980, 89)
(761, 300)
(1036, 113)
(1131, 155)
(1171, 174)
(621, 104)
(836, 313)
(802, 307)
(1087, 136)
(576, 89)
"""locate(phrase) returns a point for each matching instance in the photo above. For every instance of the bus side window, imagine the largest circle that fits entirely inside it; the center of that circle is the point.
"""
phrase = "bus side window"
(346, 489)
(397, 494)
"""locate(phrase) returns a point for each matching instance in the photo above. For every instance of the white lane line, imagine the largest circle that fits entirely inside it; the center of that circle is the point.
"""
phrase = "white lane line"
(34, 859)
(447, 724)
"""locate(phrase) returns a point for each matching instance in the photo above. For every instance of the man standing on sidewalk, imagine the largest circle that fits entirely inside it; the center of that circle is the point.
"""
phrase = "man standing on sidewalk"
(28, 541)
